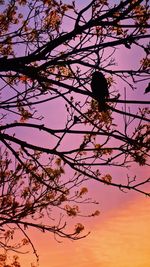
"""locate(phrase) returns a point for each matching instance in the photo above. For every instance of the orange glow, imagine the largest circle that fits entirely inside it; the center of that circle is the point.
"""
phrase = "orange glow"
(121, 239)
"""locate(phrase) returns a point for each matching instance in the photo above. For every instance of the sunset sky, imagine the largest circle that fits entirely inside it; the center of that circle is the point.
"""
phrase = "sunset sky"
(120, 235)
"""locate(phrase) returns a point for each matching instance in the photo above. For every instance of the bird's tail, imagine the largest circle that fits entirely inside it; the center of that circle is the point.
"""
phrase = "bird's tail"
(102, 107)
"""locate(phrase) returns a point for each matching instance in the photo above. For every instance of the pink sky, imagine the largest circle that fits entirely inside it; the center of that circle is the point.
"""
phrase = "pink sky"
(120, 236)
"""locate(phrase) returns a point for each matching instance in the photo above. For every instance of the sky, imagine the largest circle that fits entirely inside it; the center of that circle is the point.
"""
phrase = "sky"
(120, 236)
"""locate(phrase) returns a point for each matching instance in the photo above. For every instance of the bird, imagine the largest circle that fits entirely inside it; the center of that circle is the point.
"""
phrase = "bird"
(147, 90)
(99, 88)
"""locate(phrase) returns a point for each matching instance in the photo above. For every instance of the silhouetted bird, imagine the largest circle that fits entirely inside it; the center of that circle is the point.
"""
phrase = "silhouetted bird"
(99, 88)
(147, 90)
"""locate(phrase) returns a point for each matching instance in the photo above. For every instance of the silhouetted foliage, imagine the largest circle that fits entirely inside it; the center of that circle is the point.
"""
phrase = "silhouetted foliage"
(147, 90)
(53, 136)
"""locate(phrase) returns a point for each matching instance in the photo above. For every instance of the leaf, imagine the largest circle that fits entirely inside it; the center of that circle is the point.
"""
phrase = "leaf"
(79, 228)
(107, 178)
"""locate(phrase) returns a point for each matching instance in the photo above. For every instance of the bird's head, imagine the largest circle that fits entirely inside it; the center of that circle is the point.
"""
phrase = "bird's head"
(97, 74)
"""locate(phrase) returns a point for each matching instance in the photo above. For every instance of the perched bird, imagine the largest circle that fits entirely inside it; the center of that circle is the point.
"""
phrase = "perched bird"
(147, 90)
(99, 88)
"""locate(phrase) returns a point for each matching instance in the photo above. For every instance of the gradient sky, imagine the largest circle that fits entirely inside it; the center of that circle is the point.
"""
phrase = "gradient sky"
(120, 236)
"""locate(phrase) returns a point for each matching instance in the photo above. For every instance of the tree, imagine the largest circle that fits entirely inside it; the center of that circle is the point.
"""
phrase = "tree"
(46, 64)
